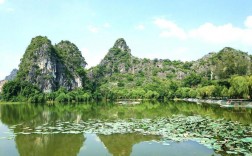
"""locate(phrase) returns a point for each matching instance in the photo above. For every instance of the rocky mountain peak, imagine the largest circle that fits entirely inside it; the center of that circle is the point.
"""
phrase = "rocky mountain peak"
(12, 75)
(121, 44)
(227, 49)
(70, 54)
(50, 67)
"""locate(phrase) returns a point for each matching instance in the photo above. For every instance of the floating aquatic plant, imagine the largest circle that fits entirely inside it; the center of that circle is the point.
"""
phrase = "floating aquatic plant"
(220, 135)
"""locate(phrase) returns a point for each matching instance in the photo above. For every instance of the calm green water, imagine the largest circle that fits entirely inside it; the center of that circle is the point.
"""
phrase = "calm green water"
(27, 129)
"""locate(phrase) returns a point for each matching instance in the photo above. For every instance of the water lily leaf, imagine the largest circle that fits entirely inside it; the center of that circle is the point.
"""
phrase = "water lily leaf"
(165, 144)
(25, 133)
(2, 138)
(10, 138)
(248, 139)
(231, 152)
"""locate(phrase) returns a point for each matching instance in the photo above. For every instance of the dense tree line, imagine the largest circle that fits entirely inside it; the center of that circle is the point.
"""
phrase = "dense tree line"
(193, 86)
(21, 91)
(26, 92)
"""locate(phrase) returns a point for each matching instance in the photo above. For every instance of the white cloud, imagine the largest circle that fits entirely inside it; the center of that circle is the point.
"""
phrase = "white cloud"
(208, 32)
(169, 29)
(248, 22)
(140, 27)
(2, 2)
(106, 25)
(217, 34)
(93, 29)
(246, 37)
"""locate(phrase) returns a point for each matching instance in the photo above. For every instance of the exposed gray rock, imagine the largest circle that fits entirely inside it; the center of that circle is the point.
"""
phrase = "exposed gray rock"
(119, 60)
(204, 65)
(121, 44)
(50, 67)
(12, 75)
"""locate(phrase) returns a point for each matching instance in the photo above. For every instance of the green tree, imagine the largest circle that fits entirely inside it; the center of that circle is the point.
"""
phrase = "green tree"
(151, 95)
(62, 98)
(20, 91)
(183, 92)
(87, 96)
(191, 80)
(239, 87)
(192, 93)
(249, 78)
(206, 91)
(224, 92)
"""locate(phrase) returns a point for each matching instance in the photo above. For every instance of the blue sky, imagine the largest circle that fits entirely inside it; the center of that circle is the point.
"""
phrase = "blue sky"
(185, 29)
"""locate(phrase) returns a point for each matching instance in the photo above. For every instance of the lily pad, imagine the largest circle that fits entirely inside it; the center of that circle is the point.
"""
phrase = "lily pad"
(248, 139)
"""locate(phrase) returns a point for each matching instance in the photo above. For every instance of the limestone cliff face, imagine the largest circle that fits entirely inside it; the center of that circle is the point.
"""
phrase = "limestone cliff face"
(46, 66)
(38, 64)
(122, 45)
(120, 60)
(12, 75)
(73, 62)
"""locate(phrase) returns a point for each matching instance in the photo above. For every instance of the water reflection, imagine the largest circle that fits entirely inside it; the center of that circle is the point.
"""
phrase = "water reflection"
(122, 144)
(31, 116)
(187, 148)
(38, 114)
(49, 145)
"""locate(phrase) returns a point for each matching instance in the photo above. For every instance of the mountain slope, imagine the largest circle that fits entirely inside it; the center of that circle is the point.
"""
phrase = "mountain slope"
(224, 64)
(122, 75)
(50, 67)
(119, 60)
(12, 75)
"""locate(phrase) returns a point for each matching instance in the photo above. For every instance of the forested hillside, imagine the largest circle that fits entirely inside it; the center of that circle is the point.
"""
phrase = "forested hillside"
(57, 73)
(121, 75)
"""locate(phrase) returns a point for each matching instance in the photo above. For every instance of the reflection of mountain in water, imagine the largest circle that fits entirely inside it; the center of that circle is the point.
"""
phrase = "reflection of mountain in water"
(28, 116)
(49, 145)
(37, 144)
(121, 144)
(36, 115)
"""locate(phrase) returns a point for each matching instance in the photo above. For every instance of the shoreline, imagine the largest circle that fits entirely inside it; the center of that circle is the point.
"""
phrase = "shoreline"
(221, 103)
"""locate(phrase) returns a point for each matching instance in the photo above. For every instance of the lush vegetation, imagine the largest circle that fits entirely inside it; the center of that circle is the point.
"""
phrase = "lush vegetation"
(22, 91)
(158, 89)
(229, 62)
(226, 74)
(220, 75)
(25, 91)
(31, 55)
(192, 86)
(71, 57)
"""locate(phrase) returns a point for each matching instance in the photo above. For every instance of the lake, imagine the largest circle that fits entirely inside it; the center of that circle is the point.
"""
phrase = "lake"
(149, 128)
